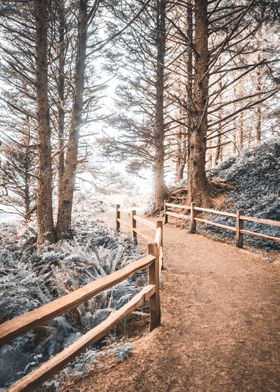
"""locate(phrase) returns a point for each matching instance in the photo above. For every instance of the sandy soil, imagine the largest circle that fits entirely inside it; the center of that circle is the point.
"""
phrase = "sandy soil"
(220, 327)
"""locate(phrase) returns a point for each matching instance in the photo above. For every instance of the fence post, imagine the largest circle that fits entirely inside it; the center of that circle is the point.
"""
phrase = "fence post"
(165, 216)
(239, 227)
(154, 279)
(159, 224)
(118, 216)
(192, 217)
(133, 224)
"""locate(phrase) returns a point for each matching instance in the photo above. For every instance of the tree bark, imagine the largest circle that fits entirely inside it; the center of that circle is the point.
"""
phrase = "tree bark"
(190, 27)
(241, 130)
(61, 97)
(219, 148)
(181, 139)
(71, 161)
(184, 134)
(27, 192)
(160, 189)
(197, 182)
(44, 194)
(259, 108)
(181, 156)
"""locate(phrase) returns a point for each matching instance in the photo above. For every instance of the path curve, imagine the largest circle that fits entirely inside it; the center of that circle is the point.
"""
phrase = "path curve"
(220, 324)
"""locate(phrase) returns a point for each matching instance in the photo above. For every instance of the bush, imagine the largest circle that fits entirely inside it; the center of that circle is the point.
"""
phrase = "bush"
(255, 174)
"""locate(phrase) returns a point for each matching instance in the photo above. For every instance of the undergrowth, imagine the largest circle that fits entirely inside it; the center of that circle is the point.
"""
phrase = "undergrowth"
(31, 277)
(255, 175)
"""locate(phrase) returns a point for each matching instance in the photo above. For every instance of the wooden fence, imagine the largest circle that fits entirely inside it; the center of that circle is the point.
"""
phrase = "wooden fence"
(37, 317)
(239, 217)
(135, 225)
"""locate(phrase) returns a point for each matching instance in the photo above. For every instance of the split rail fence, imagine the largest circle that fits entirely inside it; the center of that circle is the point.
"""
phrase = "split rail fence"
(239, 217)
(37, 317)
(136, 220)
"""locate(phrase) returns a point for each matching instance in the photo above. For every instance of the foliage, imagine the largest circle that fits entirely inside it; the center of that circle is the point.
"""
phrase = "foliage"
(30, 278)
(255, 174)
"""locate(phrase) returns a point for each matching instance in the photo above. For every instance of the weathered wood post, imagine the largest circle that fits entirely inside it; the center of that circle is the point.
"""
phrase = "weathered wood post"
(192, 218)
(159, 225)
(154, 279)
(118, 216)
(133, 225)
(165, 216)
(239, 227)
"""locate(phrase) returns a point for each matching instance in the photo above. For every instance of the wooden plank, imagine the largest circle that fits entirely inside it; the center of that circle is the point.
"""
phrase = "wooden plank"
(216, 212)
(242, 217)
(146, 237)
(133, 225)
(36, 377)
(161, 259)
(238, 227)
(18, 325)
(192, 219)
(216, 224)
(145, 222)
(177, 215)
(118, 215)
(260, 220)
(165, 217)
(122, 222)
(154, 273)
(260, 235)
(183, 206)
(158, 237)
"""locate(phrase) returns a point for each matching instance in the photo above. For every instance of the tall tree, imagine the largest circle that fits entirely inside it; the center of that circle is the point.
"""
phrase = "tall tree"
(160, 190)
(86, 14)
(224, 36)
(17, 167)
(53, 96)
(140, 65)
(46, 230)
(197, 181)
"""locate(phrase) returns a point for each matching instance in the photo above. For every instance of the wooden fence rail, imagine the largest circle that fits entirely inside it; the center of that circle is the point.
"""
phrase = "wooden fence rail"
(137, 221)
(28, 321)
(238, 216)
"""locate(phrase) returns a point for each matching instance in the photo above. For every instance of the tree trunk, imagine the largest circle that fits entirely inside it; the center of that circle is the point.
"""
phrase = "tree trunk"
(241, 130)
(209, 159)
(197, 183)
(184, 133)
(71, 161)
(219, 148)
(218, 153)
(160, 189)
(27, 200)
(181, 152)
(44, 194)
(181, 155)
(61, 103)
(259, 109)
(27, 193)
(259, 124)
(190, 78)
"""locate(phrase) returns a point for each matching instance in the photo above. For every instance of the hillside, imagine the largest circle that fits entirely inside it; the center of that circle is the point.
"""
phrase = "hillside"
(255, 177)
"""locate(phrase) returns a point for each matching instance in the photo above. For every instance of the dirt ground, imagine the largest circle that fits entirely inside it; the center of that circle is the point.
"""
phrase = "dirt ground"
(220, 327)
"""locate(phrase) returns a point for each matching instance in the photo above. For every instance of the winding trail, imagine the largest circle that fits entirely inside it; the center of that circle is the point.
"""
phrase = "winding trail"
(220, 324)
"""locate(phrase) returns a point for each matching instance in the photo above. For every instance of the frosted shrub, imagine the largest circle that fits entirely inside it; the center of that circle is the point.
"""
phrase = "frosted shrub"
(30, 278)
(255, 174)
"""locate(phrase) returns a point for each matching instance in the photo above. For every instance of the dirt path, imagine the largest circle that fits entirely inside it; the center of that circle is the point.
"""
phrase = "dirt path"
(220, 324)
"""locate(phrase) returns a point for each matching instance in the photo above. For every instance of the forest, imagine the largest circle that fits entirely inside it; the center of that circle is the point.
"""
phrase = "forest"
(138, 102)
